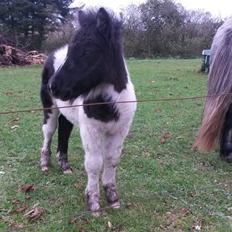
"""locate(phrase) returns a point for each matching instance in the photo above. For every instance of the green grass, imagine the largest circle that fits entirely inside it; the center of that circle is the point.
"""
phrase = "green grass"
(164, 184)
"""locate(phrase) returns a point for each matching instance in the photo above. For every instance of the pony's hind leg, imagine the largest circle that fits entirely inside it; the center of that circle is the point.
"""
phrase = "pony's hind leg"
(113, 150)
(64, 130)
(48, 128)
(226, 138)
(92, 143)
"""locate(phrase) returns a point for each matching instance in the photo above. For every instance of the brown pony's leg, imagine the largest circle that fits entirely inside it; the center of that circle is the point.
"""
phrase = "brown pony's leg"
(226, 138)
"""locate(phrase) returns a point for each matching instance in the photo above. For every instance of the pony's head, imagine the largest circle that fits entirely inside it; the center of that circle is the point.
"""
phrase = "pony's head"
(94, 56)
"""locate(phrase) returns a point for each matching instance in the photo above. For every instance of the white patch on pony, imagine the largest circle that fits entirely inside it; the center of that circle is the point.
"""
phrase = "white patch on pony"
(60, 56)
(102, 141)
(48, 129)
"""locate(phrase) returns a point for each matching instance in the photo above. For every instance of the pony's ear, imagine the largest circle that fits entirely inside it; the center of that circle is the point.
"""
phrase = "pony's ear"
(103, 20)
(81, 17)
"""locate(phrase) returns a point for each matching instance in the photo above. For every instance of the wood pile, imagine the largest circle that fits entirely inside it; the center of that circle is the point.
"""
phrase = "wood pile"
(34, 57)
(10, 55)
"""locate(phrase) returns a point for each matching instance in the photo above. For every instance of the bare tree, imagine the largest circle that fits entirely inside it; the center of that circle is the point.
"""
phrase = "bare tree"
(164, 28)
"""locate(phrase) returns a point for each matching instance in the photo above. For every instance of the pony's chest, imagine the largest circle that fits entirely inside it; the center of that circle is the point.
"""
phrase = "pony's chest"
(105, 104)
(70, 110)
(100, 106)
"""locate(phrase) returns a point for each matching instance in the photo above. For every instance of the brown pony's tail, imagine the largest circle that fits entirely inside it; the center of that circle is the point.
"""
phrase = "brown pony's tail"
(219, 90)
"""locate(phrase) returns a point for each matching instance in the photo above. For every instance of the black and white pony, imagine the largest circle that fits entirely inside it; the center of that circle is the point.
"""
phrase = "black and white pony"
(90, 69)
(217, 118)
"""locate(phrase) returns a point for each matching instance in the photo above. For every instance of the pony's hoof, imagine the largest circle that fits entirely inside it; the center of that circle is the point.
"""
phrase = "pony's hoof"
(227, 158)
(112, 196)
(115, 205)
(93, 204)
(64, 165)
(68, 171)
(44, 169)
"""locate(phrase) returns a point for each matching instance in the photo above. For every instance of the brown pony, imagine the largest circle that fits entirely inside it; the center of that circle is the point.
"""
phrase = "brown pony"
(217, 117)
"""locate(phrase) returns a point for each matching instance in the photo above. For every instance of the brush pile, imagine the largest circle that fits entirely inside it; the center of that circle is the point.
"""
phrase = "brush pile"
(10, 55)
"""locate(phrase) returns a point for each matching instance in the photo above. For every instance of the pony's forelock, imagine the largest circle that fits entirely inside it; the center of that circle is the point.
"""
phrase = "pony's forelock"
(88, 17)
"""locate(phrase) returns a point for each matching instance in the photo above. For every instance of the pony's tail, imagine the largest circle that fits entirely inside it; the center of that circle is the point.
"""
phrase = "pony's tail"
(212, 122)
(218, 97)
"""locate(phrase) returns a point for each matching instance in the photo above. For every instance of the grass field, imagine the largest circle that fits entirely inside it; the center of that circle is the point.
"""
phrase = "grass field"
(163, 183)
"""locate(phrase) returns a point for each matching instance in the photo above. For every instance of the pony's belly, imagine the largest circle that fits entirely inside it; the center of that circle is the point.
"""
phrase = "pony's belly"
(70, 110)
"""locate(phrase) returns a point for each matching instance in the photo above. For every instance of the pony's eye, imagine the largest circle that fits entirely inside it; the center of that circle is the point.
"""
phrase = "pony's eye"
(84, 53)
(79, 53)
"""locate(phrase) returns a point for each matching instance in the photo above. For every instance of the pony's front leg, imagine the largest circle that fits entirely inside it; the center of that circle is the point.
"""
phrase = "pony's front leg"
(92, 143)
(48, 128)
(113, 149)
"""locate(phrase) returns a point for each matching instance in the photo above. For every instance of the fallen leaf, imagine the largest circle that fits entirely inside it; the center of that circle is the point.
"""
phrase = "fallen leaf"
(197, 226)
(173, 219)
(128, 205)
(87, 221)
(9, 93)
(184, 211)
(15, 127)
(14, 122)
(162, 141)
(22, 208)
(131, 205)
(35, 213)
(109, 224)
(79, 186)
(28, 188)
(11, 223)
(192, 194)
(79, 223)
(167, 136)
(146, 153)
(158, 110)
(15, 201)
(28, 197)
(16, 225)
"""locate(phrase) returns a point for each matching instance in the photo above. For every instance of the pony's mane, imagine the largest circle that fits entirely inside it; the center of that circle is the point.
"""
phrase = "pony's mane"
(91, 15)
